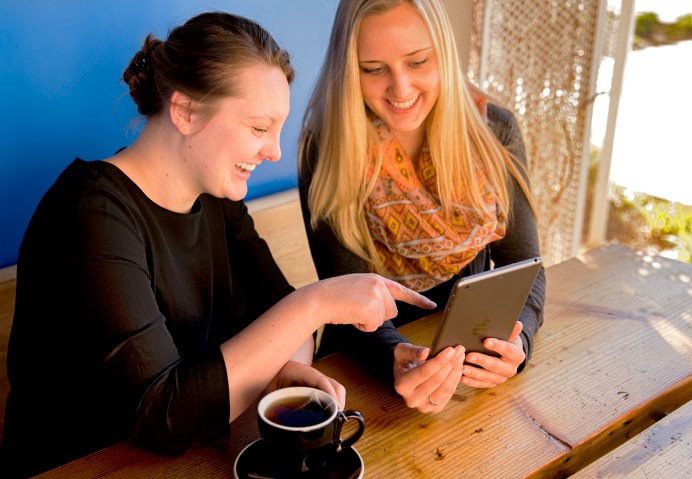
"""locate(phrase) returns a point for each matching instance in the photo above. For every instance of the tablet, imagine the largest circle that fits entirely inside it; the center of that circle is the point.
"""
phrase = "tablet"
(485, 305)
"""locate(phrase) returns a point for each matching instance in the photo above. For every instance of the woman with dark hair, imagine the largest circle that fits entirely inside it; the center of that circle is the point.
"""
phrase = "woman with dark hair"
(147, 306)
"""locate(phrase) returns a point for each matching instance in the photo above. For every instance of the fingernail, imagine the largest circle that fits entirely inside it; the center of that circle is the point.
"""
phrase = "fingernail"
(490, 343)
(449, 353)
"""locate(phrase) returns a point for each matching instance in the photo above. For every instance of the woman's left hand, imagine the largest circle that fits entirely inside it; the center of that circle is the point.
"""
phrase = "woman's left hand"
(295, 373)
(493, 371)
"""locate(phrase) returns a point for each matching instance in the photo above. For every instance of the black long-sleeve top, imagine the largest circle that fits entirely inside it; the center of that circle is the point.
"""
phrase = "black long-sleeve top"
(121, 308)
(521, 242)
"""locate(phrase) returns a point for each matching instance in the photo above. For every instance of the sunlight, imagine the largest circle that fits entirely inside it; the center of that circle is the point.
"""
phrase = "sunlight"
(675, 337)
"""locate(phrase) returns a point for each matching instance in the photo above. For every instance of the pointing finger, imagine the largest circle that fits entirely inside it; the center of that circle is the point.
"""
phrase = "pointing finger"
(402, 293)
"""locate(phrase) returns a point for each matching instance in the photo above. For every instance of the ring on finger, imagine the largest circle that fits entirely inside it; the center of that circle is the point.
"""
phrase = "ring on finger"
(431, 401)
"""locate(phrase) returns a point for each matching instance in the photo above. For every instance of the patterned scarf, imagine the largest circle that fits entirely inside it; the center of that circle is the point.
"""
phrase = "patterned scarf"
(418, 243)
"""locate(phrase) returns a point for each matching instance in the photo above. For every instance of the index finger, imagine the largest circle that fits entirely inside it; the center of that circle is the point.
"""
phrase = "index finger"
(402, 293)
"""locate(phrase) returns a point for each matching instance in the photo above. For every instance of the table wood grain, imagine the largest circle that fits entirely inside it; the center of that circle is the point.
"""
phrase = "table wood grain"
(613, 356)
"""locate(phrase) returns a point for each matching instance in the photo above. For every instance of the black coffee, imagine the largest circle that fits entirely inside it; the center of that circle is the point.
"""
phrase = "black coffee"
(297, 412)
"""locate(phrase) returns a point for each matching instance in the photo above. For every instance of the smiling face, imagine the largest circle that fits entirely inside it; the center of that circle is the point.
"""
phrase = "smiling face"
(242, 132)
(399, 76)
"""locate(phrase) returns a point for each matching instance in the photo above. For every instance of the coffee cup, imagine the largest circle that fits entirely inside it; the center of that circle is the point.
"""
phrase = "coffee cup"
(302, 426)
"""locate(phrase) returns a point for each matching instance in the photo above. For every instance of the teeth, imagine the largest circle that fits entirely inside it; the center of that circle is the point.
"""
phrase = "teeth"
(246, 166)
(403, 105)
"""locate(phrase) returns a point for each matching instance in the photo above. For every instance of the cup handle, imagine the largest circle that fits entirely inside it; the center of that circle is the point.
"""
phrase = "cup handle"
(344, 416)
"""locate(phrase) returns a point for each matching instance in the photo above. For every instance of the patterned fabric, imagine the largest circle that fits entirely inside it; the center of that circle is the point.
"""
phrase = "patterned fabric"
(419, 245)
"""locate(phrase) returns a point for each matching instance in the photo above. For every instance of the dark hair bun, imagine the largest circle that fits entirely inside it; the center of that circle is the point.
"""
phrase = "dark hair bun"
(200, 59)
(140, 77)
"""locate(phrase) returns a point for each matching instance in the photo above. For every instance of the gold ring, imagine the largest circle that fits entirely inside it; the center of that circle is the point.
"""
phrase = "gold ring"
(431, 401)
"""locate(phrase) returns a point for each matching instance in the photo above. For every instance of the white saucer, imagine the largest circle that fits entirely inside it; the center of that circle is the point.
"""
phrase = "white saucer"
(256, 461)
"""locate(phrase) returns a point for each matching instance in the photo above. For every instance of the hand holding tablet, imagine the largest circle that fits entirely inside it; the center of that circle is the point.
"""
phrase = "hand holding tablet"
(485, 305)
(477, 341)
(484, 371)
(481, 315)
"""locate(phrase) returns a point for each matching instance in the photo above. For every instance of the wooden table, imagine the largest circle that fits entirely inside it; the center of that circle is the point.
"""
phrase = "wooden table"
(613, 357)
(663, 450)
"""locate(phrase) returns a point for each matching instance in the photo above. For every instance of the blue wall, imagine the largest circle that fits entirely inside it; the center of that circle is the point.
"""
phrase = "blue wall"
(61, 95)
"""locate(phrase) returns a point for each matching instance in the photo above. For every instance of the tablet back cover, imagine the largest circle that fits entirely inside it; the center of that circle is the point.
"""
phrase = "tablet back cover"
(486, 305)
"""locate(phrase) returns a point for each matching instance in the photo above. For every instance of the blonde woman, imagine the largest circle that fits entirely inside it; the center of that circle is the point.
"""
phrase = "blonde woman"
(405, 173)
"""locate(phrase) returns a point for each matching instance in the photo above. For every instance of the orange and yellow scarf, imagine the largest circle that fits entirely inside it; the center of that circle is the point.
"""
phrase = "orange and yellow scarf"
(419, 245)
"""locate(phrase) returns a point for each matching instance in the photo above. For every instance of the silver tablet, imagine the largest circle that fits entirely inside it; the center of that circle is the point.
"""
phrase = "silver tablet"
(485, 305)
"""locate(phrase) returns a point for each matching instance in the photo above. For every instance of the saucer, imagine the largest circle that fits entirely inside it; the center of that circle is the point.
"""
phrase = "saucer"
(256, 461)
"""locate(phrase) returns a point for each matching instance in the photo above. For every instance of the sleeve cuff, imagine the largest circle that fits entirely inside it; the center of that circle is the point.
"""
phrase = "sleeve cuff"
(526, 345)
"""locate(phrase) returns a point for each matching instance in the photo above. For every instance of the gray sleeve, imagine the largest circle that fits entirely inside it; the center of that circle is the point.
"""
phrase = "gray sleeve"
(521, 241)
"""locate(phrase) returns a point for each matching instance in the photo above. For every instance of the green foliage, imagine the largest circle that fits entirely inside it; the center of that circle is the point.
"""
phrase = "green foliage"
(649, 30)
(643, 220)
(681, 29)
(646, 23)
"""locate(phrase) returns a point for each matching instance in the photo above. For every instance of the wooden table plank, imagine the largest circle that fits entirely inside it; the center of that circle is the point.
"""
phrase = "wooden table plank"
(475, 426)
(663, 450)
(613, 356)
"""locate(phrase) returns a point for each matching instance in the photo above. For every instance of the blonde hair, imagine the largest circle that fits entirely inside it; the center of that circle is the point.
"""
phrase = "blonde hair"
(337, 124)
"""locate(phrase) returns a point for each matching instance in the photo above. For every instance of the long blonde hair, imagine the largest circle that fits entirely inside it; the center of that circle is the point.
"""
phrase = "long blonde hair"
(337, 127)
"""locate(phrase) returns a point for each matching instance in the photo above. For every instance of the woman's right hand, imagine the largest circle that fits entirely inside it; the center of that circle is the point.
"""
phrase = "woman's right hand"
(427, 384)
(364, 300)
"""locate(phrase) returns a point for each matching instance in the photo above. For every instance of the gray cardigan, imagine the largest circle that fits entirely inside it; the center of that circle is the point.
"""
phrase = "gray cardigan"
(333, 259)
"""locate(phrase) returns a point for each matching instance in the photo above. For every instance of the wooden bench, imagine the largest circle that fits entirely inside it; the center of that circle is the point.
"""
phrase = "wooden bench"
(663, 450)
(278, 220)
